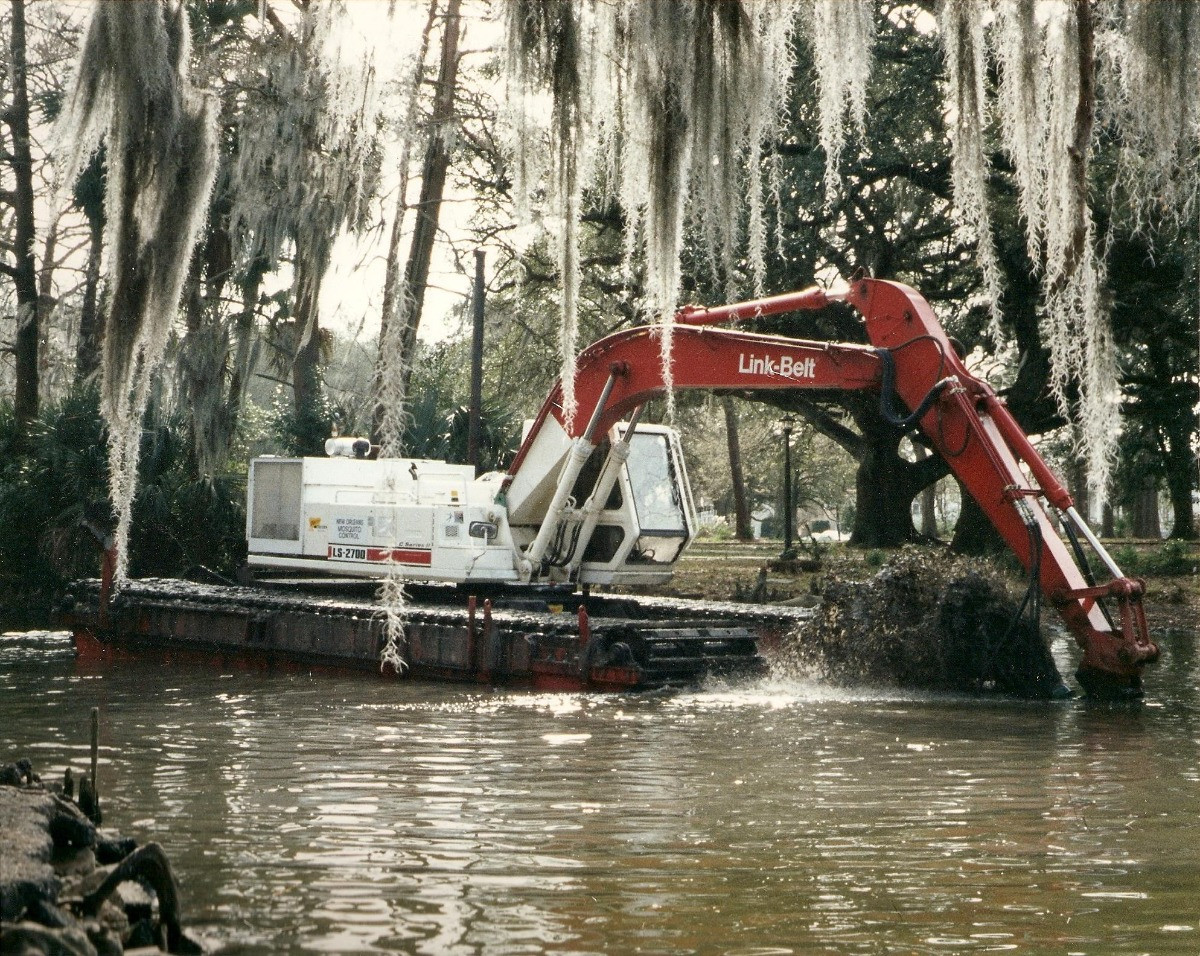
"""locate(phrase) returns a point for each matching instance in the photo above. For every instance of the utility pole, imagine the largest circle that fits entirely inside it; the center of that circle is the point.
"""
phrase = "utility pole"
(476, 411)
(788, 510)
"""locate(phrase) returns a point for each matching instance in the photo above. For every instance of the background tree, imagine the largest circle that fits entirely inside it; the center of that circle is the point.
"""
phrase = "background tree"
(1044, 93)
(1047, 101)
(737, 475)
(828, 123)
(307, 164)
(1152, 290)
(23, 270)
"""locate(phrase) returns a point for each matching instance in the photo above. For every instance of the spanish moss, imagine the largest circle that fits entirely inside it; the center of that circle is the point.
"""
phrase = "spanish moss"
(687, 92)
(1047, 102)
(308, 157)
(842, 33)
(658, 142)
(962, 29)
(132, 90)
(1021, 106)
(545, 51)
(1158, 64)
(393, 604)
(1077, 321)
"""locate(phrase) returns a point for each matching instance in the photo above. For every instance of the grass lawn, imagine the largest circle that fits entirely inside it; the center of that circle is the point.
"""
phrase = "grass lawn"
(721, 570)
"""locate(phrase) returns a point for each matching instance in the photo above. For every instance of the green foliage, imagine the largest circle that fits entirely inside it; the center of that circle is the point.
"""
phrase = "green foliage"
(1168, 559)
(719, 530)
(438, 417)
(52, 480)
(54, 505)
(499, 436)
(303, 431)
(181, 523)
(706, 452)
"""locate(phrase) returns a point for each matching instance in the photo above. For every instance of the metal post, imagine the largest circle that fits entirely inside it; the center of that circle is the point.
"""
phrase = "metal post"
(476, 410)
(788, 422)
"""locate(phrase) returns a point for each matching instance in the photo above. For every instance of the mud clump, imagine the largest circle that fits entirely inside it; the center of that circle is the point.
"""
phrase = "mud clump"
(927, 620)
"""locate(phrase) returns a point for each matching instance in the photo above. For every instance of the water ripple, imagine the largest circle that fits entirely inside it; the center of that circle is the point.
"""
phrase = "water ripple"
(334, 815)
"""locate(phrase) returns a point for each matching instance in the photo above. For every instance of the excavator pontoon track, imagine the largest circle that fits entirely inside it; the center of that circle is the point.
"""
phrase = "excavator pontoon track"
(597, 642)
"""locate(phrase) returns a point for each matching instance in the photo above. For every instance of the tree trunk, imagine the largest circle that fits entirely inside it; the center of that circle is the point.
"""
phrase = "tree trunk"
(433, 185)
(929, 528)
(883, 499)
(1076, 475)
(884, 484)
(91, 320)
(974, 532)
(24, 273)
(741, 510)
(245, 340)
(1145, 513)
(1180, 467)
(306, 376)
(89, 199)
(1179, 487)
(394, 293)
(49, 371)
(309, 426)
(1108, 522)
(46, 300)
(204, 362)
(928, 502)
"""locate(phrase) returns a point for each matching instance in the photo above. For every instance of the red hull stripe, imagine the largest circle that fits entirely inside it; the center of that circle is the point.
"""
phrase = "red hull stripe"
(401, 555)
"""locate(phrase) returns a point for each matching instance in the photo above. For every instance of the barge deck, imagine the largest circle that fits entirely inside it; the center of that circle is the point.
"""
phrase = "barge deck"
(556, 642)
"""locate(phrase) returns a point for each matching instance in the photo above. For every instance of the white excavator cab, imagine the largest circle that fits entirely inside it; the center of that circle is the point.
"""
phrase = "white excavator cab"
(648, 518)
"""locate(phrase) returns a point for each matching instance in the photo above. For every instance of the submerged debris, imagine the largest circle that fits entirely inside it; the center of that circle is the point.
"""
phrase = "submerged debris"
(927, 620)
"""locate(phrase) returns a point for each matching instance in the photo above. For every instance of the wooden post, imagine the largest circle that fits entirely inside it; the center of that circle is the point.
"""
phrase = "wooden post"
(489, 643)
(96, 754)
(472, 664)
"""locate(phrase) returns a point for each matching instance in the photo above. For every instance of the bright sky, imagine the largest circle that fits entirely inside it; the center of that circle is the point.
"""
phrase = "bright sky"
(352, 296)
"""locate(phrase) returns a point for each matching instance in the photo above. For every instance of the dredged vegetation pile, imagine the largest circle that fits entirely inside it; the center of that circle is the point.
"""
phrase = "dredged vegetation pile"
(927, 620)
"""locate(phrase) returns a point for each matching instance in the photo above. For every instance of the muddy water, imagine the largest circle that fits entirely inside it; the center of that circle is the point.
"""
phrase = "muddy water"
(336, 815)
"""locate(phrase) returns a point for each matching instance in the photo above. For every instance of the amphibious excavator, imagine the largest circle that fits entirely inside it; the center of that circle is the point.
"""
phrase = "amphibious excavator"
(601, 498)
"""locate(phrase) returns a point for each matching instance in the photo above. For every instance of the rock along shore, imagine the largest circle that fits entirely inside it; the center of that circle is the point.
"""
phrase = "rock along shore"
(70, 887)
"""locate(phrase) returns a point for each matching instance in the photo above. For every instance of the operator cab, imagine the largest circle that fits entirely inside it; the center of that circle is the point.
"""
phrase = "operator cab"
(649, 518)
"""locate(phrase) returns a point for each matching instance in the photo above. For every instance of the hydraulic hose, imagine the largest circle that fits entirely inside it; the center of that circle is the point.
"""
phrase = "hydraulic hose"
(887, 394)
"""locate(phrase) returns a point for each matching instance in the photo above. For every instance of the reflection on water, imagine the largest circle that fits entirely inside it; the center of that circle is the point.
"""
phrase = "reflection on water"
(345, 815)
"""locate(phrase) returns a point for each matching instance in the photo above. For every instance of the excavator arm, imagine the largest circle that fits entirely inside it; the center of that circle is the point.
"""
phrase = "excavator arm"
(922, 384)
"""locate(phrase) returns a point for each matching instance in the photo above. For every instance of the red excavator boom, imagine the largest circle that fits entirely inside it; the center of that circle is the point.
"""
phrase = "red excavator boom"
(910, 358)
